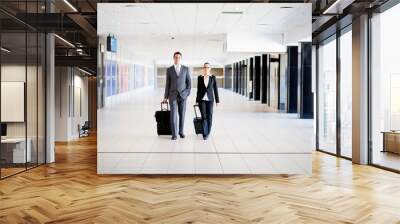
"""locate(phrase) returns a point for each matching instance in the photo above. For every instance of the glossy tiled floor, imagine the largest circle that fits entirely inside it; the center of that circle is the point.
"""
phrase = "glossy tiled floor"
(246, 139)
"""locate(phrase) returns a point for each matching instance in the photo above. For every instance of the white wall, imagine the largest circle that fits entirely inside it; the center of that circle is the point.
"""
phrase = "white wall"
(34, 125)
(70, 83)
(235, 57)
(17, 73)
(195, 50)
(299, 34)
(199, 49)
(79, 117)
(62, 81)
(252, 42)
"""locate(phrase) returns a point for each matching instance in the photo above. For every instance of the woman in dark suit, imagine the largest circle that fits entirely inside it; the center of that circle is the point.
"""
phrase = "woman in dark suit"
(207, 93)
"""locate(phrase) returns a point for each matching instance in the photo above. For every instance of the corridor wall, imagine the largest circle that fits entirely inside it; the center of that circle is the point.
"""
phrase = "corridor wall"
(121, 77)
(283, 82)
(251, 77)
(292, 77)
(244, 77)
(228, 77)
(305, 96)
(240, 77)
(273, 81)
(72, 102)
(257, 78)
(264, 78)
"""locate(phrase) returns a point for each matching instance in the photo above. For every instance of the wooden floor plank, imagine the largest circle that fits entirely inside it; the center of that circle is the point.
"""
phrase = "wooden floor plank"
(70, 191)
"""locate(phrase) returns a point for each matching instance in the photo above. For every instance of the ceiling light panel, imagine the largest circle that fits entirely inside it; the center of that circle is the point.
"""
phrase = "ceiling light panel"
(235, 7)
(64, 41)
(231, 12)
(164, 24)
(70, 6)
(184, 17)
(5, 49)
(208, 15)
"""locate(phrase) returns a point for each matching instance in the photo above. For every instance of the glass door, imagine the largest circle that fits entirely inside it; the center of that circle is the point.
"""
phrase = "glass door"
(22, 76)
(14, 154)
(346, 93)
(327, 91)
(385, 90)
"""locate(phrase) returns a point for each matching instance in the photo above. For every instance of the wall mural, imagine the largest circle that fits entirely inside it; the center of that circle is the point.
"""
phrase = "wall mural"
(122, 77)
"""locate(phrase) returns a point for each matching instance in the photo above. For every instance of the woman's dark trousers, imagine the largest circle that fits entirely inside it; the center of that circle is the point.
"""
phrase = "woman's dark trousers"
(206, 109)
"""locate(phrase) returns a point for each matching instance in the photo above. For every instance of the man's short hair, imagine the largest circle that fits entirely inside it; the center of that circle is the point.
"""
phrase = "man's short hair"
(207, 63)
(177, 52)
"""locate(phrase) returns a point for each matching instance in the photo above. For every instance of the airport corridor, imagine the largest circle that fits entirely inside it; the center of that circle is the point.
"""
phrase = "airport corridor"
(245, 139)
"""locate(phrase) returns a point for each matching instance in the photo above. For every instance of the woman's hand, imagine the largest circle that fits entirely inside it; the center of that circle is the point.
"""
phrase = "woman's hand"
(216, 104)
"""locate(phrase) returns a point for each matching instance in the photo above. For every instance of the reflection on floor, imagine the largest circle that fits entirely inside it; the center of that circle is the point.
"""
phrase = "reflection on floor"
(5, 172)
(387, 159)
(70, 191)
(8, 169)
(245, 139)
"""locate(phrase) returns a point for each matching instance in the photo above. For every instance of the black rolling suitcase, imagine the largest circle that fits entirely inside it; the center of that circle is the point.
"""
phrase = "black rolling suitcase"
(198, 124)
(163, 120)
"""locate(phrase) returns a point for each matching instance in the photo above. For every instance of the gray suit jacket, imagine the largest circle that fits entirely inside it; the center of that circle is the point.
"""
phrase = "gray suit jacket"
(178, 84)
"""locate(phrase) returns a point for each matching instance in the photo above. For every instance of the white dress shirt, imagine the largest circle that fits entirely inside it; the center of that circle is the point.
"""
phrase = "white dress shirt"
(205, 98)
(177, 69)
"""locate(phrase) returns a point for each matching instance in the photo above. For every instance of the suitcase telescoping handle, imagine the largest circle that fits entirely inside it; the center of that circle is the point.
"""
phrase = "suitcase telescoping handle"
(166, 103)
(194, 107)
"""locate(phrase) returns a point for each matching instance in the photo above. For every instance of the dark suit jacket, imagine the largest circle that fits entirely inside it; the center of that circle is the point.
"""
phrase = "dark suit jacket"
(211, 88)
(178, 84)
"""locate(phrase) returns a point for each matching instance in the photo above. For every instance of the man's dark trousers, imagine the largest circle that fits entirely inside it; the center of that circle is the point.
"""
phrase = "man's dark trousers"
(178, 107)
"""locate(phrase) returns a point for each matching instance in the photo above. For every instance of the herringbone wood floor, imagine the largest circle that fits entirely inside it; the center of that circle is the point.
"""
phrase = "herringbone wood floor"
(70, 191)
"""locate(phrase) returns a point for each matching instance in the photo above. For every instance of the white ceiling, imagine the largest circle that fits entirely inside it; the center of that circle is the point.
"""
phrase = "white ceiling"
(171, 19)
(199, 29)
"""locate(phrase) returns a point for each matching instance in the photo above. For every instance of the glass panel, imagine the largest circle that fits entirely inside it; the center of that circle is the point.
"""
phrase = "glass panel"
(41, 97)
(14, 5)
(31, 88)
(346, 94)
(23, 89)
(385, 84)
(282, 82)
(274, 88)
(31, 98)
(13, 87)
(327, 96)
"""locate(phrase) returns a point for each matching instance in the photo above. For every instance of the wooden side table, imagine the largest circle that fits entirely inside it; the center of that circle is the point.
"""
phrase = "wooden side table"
(391, 141)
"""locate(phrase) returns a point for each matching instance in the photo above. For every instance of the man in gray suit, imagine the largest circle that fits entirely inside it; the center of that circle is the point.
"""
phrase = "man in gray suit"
(177, 89)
